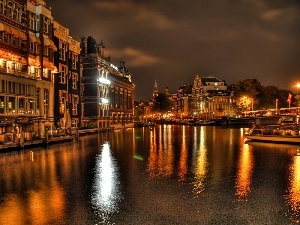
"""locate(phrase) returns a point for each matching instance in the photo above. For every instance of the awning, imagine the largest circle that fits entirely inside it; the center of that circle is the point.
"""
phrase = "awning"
(50, 43)
(22, 36)
(35, 39)
(14, 32)
(5, 28)
(23, 61)
(46, 41)
(52, 46)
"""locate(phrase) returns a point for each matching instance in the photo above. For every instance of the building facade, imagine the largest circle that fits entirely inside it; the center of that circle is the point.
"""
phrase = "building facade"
(67, 107)
(121, 97)
(108, 92)
(26, 65)
(184, 106)
(207, 98)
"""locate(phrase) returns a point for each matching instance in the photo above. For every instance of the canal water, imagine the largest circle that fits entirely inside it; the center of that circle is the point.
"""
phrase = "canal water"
(170, 174)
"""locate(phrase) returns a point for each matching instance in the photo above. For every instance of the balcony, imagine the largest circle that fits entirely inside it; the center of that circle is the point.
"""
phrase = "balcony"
(14, 72)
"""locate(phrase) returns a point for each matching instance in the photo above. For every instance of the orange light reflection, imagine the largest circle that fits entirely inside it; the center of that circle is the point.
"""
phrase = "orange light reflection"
(244, 173)
(293, 192)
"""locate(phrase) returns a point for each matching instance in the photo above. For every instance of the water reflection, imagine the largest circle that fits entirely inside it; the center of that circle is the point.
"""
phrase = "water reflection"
(201, 167)
(293, 192)
(32, 189)
(161, 154)
(183, 156)
(106, 187)
(244, 173)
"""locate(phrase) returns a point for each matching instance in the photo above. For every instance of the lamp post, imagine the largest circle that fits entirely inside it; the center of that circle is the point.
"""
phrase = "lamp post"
(298, 86)
(297, 96)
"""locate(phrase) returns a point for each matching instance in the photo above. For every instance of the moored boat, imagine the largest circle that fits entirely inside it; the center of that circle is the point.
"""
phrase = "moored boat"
(275, 134)
(204, 123)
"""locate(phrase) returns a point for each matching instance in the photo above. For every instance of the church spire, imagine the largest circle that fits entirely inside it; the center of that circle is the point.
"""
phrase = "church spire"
(155, 91)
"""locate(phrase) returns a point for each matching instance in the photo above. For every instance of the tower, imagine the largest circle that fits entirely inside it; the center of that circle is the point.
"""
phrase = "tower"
(155, 90)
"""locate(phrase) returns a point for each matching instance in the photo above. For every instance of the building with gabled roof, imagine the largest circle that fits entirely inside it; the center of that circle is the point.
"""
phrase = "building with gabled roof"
(108, 95)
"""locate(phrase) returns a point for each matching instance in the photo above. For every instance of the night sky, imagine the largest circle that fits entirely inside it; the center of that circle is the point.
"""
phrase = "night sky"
(172, 41)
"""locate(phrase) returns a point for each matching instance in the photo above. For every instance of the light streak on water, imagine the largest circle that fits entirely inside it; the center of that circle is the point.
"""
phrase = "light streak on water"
(106, 193)
(244, 173)
(293, 192)
(201, 168)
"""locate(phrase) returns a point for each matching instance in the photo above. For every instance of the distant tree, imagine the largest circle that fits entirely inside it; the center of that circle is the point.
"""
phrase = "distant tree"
(246, 94)
(262, 97)
(268, 96)
(162, 103)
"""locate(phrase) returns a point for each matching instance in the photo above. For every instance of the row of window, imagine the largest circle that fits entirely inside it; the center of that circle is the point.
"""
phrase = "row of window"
(12, 87)
(16, 68)
(64, 73)
(19, 43)
(63, 52)
(45, 101)
(119, 100)
(216, 107)
(12, 40)
(17, 105)
(12, 10)
(221, 100)
(34, 22)
(63, 101)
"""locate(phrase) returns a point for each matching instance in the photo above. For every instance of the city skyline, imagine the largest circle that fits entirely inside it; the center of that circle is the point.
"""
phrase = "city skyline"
(173, 41)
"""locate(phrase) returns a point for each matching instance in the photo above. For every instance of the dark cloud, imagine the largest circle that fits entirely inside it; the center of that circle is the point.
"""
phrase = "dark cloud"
(173, 41)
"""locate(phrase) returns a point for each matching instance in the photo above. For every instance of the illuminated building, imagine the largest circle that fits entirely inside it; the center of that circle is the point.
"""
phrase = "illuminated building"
(67, 107)
(121, 97)
(208, 97)
(107, 90)
(26, 66)
(184, 101)
(211, 98)
(95, 84)
(220, 103)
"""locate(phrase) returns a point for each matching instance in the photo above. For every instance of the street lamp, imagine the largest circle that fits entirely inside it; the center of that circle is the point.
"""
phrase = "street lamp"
(247, 102)
(298, 86)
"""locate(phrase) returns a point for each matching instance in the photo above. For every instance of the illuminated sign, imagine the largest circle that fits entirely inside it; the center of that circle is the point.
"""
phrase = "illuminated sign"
(104, 100)
(103, 80)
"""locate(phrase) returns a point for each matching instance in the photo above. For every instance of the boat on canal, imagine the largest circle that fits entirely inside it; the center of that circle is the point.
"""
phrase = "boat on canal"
(275, 134)
(203, 123)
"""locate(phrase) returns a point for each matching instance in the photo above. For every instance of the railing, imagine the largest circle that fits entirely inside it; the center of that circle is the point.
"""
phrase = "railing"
(16, 73)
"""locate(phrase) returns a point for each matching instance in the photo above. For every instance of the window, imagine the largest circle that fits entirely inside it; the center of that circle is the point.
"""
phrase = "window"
(45, 72)
(38, 98)
(46, 102)
(17, 66)
(62, 101)
(46, 25)
(74, 60)
(46, 50)
(9, 6)
(15, 41)
(30, 105)
(21, 105)
(2, 2)
(1, 104)
(63, 74)
(11, 105)
(7, 37)
(17, 13)
(74, 80)
(62, 50)
(32, 21)
(75, 103)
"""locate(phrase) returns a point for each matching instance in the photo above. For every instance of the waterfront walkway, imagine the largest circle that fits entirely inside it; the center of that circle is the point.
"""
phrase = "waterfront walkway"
(10, 145)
